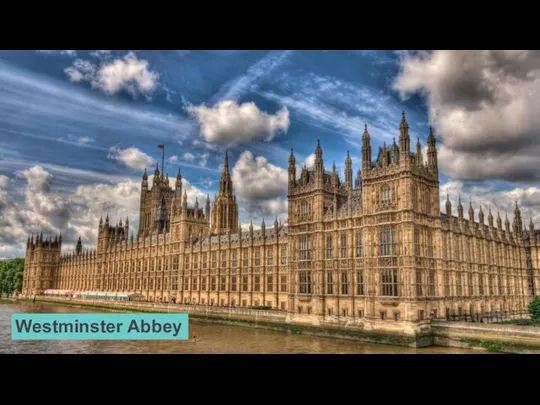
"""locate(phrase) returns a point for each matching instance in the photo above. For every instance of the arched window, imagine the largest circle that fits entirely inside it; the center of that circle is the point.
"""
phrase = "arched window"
(386, 195)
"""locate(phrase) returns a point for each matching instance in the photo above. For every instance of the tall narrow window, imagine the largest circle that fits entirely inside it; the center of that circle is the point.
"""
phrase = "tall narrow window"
(305, 282)
(432, 283)
(389, 282)
(343, 246)
(359, 244)
(304, 247)
(344, 283)
(329, 283)
(329, 247)
(360, 282)
(387, 242)
(419, 291)
(284, 254)
(386, 195)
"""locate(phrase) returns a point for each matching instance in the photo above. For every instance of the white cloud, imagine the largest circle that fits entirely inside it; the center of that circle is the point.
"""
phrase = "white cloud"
(81, 70)
(131, 157)
(69, 53)
(189, 157)
(173, 159)
(127, 74)
(310, 161)
(228, 123)
(203, 159)
(483, 106)
(99, 54)
(260, 186)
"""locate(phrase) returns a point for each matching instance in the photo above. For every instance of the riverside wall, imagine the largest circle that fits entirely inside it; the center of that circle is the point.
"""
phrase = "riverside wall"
(506, 338)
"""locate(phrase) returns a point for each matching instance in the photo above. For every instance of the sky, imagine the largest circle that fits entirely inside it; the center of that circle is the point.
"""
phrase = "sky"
(78, 128)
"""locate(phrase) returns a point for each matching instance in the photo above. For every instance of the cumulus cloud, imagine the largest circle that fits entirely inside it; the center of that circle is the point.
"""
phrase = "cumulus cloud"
(189, 157)
(229, 123)
(260, 185)
(131, 157)
(173, 159)
(128, 74)
(100, 54)
(74, 214)
(483, 107)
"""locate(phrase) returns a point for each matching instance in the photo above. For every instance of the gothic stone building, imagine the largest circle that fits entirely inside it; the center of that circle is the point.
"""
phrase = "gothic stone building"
(376, 251)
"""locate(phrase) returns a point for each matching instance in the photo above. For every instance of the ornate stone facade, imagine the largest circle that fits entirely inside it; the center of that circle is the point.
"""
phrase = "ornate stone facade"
(376, 251)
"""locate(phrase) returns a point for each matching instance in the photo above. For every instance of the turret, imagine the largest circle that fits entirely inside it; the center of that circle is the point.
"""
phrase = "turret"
(366, 150)
(207, 207)
(348, 172)
(499, 221)
(78, 248)
(419, 157)
(471, 214)
(448, 207)
(517, 224)
(319, 164)
(334, 175)
(481, 217)
(178, 185)
(292, 170)
(432, 152)
(404, 139)
(460, 209)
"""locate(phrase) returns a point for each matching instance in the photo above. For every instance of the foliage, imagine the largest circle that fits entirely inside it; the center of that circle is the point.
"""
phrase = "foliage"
(11, 276)
(534, 309)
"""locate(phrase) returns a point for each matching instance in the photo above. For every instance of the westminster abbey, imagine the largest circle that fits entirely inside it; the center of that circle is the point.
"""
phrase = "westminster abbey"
(374, 249)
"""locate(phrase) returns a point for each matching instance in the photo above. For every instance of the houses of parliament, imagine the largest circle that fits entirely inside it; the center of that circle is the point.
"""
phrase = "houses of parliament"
(376, 249)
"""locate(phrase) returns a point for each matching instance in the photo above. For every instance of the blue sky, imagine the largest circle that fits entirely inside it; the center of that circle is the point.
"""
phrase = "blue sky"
(77, 128)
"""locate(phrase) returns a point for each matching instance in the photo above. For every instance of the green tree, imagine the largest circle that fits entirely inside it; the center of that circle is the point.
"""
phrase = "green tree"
(11, 275)
(534, 309)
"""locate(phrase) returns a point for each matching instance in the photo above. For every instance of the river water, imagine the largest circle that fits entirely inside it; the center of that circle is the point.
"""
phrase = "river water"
(211, 339)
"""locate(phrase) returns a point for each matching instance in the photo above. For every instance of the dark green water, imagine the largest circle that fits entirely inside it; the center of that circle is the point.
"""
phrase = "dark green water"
(211, 339)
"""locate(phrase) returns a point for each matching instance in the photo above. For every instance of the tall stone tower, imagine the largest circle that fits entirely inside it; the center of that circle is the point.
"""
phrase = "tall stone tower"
(316, 193)
(155, 204)
(40, 264)
(401, 217)
(225, 210)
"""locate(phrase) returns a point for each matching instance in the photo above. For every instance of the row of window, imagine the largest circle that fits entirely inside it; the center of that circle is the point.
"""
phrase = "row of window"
(272, 284)
(389, 283)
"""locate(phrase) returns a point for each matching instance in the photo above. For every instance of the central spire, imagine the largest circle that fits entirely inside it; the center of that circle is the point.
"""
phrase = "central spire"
(225, 183)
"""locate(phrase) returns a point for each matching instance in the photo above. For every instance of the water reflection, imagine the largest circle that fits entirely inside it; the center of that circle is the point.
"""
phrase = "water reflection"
(212, 339)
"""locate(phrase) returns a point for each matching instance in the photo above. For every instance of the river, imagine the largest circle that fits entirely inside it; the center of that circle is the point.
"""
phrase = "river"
(211, 339)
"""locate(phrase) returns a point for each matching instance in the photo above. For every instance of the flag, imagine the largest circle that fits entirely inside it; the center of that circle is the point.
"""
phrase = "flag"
(161, 146)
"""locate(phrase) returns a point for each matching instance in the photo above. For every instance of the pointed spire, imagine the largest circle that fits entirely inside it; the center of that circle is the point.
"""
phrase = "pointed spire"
(145, 174)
